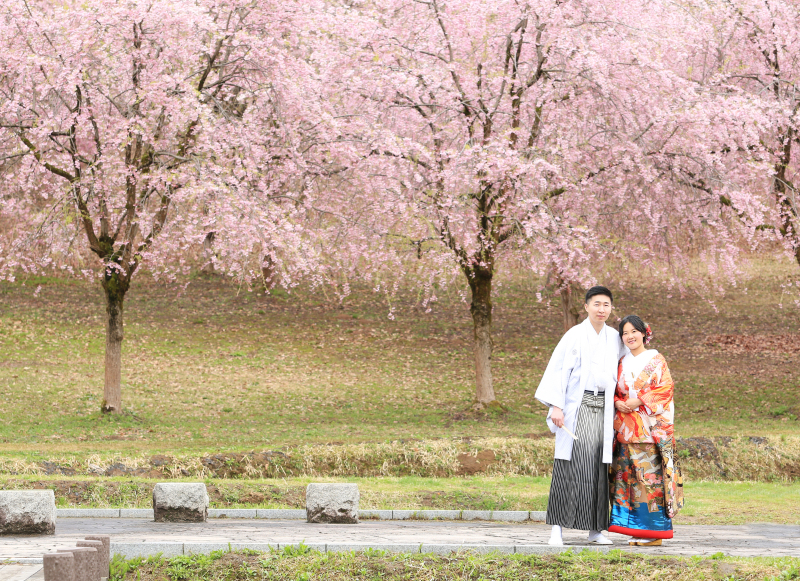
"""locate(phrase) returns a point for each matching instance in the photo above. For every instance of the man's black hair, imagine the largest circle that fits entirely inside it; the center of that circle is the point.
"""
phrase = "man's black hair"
(598, 290)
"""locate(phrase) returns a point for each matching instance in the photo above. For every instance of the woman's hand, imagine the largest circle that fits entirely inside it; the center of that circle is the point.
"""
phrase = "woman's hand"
(622, 406)
(634, 403)
(557, 417)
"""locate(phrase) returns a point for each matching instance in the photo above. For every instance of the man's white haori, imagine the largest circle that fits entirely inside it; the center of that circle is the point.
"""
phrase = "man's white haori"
(569, 374)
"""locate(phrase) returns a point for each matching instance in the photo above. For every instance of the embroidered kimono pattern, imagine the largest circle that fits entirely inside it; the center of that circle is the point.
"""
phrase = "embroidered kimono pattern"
(645, 483)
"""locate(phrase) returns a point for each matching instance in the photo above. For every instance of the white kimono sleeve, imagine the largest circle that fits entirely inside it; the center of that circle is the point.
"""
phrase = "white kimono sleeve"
(552, 390)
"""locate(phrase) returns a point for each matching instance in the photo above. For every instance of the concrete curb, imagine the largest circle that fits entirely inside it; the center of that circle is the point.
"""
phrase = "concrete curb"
(300, 514)
(232, 513)
(375, 514)
(131, 550)
(426, 514)
(87, 513)
(137, 513)
(281, 513)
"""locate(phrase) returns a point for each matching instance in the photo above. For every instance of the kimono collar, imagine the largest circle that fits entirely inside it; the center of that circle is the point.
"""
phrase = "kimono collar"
(603, 343)
(633, 365)
(591, 334)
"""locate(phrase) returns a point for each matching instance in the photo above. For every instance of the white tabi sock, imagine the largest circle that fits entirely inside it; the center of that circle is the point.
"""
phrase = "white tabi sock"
(598, 538)
(555, 536)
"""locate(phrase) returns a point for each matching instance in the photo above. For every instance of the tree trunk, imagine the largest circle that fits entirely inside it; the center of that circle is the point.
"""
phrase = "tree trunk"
(269, 272)
(208, 253)
(112, 389)
(787, 209)
(481, 309)
(569, 306)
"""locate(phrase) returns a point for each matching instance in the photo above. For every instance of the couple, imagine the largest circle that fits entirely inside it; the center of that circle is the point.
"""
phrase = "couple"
(610, 400)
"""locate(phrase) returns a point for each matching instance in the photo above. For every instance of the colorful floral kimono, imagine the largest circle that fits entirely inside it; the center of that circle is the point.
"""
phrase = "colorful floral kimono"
(645, 482)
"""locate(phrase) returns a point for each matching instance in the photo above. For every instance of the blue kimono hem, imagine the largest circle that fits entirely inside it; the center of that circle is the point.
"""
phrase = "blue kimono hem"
(640, 522)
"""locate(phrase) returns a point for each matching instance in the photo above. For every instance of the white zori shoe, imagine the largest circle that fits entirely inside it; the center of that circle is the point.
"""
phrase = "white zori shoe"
(597, 538)
(555, 537)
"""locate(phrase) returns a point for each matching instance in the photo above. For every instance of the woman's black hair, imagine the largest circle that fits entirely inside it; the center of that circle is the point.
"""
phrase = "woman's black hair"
(638, 324)
(598, 290)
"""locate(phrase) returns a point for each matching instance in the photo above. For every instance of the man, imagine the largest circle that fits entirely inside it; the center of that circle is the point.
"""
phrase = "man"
(578, 387)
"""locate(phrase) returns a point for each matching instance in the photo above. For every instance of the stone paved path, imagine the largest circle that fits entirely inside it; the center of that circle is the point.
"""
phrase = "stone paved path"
(132, 537)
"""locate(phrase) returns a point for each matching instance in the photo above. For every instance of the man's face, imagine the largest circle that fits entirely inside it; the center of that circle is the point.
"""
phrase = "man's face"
(599, 308)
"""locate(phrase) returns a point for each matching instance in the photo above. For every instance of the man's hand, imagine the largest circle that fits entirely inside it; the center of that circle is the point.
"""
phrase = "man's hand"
(557, 417)
(622, 406)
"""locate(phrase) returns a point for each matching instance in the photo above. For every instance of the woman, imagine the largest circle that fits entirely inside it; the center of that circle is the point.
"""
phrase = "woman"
(646, 487)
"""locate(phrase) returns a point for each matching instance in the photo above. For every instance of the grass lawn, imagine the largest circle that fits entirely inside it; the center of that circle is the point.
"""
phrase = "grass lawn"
(305, 565)
(214, 368)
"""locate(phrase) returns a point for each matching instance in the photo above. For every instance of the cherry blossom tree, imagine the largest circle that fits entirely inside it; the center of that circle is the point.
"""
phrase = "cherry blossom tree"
(754, 47)
(541, 134)
(116, 120)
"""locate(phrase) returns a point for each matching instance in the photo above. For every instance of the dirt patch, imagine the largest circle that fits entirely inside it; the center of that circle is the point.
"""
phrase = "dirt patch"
(790, 469)
(237, 465)
(50, 468)
(539, 435)
(778, 344)
(698, 448)
(480, 462)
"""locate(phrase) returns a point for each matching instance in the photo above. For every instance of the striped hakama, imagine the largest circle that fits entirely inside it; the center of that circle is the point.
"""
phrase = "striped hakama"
(579, 497)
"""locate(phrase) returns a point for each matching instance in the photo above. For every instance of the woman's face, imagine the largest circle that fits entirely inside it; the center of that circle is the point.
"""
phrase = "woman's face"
(631, 337)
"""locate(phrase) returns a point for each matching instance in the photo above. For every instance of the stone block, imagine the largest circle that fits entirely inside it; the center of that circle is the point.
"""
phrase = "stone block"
(476, 515)
(180, 502)
(510, 515)
(100, 557)
(281, 513)
(85, 568)
(332, 503)
(375, 514)
(59, 567)
(27, 512)
(106, 542)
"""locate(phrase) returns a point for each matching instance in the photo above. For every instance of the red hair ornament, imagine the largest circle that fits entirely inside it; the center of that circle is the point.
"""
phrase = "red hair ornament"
(649, 335)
